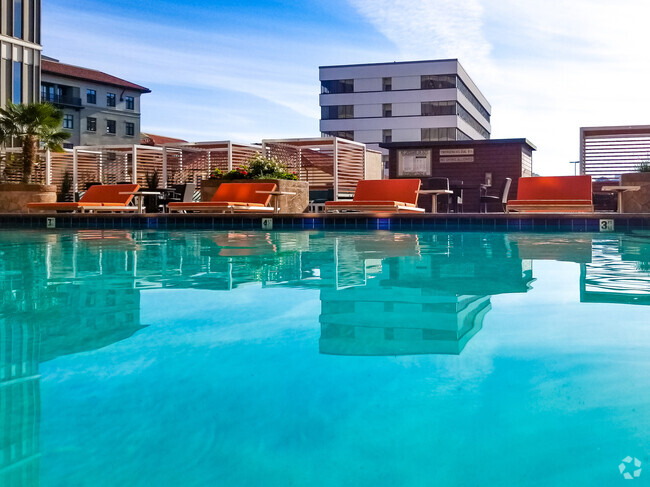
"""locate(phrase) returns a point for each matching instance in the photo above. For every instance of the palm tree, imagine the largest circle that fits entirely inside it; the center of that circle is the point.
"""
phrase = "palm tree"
(30, 124)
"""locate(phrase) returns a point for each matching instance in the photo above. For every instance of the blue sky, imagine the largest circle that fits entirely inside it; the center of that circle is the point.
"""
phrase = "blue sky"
(243, 71)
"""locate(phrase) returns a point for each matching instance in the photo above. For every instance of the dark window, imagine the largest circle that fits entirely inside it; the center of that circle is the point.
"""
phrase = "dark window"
(130, 128)
(91, 96)
(18, 83)
(110, 126)
(68, 121)
(387, 110)
(465, 115)
(344, 134)
(387, 84)
(432, 108)
(462, 87)
(387, 136)
(433, 134)
(91, 124)
(337, 86)
(337, 111)
(110, 99)
(130, 102)
(68, 145)
(437, 81)
(18, 18)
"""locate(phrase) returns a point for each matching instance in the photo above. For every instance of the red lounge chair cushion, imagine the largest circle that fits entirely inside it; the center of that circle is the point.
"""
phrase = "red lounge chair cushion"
(388, 190)
(244, 192)
(554, 188)
(550, 202)
(368, 203)
(109, 194)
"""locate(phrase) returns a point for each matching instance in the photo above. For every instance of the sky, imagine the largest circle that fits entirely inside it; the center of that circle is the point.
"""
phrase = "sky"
(248, 70)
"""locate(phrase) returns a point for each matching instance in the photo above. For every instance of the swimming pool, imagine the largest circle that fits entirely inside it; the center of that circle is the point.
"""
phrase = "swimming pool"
(249, 358)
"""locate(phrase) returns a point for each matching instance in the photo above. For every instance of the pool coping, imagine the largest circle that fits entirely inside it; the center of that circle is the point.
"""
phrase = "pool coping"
(564, 222)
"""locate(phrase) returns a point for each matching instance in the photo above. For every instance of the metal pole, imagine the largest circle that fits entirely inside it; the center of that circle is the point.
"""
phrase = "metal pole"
(48, 167)
(134, 162)
(75, 173)
(336, 169)
(164, 167)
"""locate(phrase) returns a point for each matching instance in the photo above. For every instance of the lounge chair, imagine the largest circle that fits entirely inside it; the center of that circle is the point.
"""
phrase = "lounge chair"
(100, 197)
(553, 194)
(395, 195)
(233, 197)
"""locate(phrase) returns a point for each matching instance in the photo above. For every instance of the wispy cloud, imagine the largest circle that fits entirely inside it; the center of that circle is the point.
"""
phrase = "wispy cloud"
(547, 68)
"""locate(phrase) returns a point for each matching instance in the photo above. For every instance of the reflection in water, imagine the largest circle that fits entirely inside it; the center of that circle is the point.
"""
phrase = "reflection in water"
(618, 274)
(381, 293)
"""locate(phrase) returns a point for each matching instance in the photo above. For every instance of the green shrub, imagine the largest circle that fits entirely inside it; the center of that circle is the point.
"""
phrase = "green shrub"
(257, 167)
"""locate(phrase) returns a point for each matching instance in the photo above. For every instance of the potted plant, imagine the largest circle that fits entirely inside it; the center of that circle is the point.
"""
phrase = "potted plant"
(30, 125)
(270, 169)
(637, 201)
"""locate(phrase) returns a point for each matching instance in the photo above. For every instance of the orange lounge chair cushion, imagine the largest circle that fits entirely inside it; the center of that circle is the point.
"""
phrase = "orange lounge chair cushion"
(244, 192)
(214, 204)
(109, 194)
(353, 203)
(388, 190)
(554, 188)
(549, 202)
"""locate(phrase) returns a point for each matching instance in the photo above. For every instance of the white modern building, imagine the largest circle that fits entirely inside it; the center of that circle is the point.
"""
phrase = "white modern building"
(402, 102)
(20, 50)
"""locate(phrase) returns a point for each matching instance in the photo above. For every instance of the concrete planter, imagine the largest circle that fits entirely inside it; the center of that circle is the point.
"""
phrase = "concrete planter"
(297, 203)
(15, 196)
(636, 201)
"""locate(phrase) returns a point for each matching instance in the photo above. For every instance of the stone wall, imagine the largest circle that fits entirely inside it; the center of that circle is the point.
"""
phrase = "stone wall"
(636, 201)
(14, 197)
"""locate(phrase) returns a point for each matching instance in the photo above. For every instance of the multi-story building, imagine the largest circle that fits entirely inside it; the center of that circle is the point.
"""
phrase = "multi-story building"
(99, 109)
(402, 102)
(20, 50)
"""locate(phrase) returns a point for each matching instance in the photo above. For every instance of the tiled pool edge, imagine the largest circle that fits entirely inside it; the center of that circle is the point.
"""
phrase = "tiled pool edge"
(350, 221)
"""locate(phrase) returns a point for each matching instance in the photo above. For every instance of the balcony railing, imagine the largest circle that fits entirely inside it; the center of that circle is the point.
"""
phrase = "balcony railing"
(64, 100)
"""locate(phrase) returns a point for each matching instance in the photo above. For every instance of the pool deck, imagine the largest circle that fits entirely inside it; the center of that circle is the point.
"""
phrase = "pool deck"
(563, 222)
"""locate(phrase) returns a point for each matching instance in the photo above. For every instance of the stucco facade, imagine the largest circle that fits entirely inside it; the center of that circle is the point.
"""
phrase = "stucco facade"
(99, 109)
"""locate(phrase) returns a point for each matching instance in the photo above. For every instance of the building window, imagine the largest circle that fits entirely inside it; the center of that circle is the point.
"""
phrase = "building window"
(130, 128)
(434, 108)
(110, 127)
(337, 111)
(18, 18)
(91, 96)
(387, 84)
(387, 136)
(110, 99)
(68, 121)
(130, 102)
(435, 134)
(68, 145)
(387, 110)
(462, 87)
(337, 86)
(18, 83)
(437, 81)
(467, 117)
(344, 134)
(91, 124)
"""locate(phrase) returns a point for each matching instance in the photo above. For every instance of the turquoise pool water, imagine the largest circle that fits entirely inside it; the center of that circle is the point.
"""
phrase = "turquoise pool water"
(142, 358)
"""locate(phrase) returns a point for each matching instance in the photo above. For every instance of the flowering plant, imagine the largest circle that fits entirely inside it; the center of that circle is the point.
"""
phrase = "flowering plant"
(257, 167)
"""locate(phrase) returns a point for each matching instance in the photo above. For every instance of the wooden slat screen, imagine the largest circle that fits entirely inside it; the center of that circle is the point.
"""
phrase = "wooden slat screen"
(608, 152)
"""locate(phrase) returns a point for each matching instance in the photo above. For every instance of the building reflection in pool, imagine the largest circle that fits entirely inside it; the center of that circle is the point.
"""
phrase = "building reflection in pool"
(385, 293)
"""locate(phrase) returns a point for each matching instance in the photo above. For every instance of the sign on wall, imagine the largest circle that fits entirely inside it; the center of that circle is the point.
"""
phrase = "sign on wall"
(456, 155)
(414, 162)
